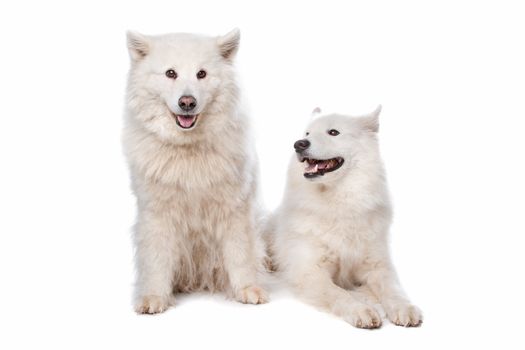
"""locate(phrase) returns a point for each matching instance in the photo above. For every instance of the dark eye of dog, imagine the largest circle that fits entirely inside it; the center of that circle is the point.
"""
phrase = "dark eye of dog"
(333, 132)
(307, 133)
(201, 74)
(170, 73)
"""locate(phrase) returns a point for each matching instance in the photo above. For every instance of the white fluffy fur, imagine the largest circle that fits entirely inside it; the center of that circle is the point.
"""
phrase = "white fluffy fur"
(329, 236)
(196, 189)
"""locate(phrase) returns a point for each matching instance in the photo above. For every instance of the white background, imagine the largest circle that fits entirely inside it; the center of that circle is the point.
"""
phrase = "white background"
(450, 76)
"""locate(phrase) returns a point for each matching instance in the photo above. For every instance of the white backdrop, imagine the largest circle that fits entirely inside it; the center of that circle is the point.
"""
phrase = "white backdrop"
(450, 76)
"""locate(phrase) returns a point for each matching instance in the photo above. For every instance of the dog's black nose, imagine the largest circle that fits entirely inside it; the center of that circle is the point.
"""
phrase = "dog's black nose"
(301, 145)
(187, 103)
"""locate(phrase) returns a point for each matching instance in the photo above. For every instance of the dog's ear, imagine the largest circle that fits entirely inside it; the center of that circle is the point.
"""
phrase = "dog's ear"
(316, 112)
(370, 121)
(229, 43)
(138, 45)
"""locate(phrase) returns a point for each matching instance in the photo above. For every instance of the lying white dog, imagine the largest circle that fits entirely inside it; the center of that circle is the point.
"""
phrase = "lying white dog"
(329, 236)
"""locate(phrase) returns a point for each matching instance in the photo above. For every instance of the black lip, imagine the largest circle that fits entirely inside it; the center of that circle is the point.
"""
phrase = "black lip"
(183, 127)
(322, 172)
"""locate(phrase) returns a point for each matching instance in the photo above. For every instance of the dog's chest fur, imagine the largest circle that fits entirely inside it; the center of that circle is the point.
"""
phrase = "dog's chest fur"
(195, 179)
(344, 233)
(343, 230)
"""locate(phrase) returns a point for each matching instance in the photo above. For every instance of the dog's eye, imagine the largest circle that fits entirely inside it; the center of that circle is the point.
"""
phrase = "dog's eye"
(307, 133)
(201, 74)
(170, 73)
(333, 132)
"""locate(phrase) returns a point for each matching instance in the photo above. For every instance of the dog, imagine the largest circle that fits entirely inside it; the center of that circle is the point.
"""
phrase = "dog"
(328, 237)
(193, 171)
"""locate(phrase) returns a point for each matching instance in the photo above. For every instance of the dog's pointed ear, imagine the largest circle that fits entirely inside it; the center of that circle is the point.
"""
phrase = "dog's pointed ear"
(316, 112)
(229, 43)
(138, 45)
(370, 121)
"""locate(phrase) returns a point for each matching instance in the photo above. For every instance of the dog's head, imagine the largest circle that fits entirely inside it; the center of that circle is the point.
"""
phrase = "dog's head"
(334, 144)
(177, 80)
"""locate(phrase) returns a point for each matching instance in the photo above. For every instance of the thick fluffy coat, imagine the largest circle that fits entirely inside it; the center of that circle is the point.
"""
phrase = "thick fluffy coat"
(193, 171)
(329, 236)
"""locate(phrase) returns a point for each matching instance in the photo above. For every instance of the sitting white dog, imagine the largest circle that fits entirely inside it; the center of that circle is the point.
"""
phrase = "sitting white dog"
(329, 236)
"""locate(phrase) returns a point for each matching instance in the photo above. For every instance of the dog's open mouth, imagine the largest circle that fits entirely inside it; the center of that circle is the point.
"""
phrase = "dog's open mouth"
(186, 121)
(316, 167)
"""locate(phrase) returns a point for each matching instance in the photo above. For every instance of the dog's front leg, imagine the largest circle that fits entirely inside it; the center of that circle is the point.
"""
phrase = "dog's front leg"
(156, 259)
(240, 262)
(381, 278)
(314, 284)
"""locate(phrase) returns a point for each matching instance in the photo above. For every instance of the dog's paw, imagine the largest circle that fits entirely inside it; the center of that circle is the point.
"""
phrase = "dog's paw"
(252, 295)
(151, 304)
(362, 315)
(405, 315)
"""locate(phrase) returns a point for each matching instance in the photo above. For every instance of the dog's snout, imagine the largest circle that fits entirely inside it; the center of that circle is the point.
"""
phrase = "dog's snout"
(301, 145)
(187, 103)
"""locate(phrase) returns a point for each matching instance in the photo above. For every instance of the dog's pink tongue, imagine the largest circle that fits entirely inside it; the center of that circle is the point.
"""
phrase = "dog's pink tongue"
(312, 168)
(323, 164)
(185, 121)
